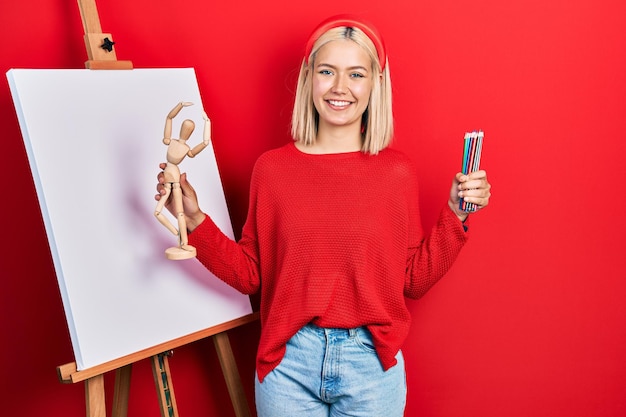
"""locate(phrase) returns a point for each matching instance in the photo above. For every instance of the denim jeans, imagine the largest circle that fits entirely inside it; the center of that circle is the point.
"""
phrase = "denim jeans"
(332, 373)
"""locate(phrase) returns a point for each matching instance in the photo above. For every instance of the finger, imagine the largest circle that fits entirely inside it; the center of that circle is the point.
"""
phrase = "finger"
(459, 178)
(186, 185)
(479, 197)
(473, 185)
(160, 192)
(475, 180)
(477, 175)
(161, 174)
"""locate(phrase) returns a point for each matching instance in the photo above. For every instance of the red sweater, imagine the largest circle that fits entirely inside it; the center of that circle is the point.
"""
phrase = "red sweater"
(335, 240)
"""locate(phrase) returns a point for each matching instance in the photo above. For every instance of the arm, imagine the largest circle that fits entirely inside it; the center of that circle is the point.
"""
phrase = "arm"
(206, 138)
(433, 256)
(167, 134)
(235, 263)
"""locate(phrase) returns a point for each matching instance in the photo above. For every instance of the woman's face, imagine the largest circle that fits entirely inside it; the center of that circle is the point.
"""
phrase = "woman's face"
(342, 83)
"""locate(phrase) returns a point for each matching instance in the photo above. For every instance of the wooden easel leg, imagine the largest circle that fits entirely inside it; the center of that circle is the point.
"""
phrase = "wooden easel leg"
(122, 391)
(163, 382)
(231, 374)
(94, 395)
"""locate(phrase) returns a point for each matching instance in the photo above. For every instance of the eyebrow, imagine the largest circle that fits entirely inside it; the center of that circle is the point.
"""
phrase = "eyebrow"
(356, 67)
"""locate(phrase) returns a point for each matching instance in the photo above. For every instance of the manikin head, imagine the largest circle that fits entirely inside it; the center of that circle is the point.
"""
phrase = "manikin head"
(186, 129)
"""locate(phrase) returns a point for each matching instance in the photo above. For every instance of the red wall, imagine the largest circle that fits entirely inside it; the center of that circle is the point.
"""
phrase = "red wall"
(531, 320)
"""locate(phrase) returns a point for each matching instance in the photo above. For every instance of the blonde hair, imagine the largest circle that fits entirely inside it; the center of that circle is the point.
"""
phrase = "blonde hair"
(377, 118)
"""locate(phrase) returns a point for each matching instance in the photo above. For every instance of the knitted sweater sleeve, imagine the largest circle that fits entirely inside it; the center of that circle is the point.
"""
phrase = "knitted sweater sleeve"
(235, 263)
(430, 257)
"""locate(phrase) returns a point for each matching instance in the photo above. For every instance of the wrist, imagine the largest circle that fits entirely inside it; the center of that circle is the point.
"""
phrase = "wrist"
(195, 221)
(460, 214)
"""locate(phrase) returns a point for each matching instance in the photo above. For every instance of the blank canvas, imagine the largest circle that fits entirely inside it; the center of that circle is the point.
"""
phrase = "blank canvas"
(94, 143)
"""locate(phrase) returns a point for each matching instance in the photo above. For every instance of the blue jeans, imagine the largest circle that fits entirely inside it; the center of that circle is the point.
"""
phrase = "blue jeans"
(332, 373)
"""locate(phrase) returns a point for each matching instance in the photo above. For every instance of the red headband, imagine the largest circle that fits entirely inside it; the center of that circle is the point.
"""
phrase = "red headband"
(348, 21)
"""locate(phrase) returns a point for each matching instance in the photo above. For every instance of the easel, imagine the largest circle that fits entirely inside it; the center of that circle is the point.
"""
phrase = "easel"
(94, 377)
(101, 57)
(99, 45)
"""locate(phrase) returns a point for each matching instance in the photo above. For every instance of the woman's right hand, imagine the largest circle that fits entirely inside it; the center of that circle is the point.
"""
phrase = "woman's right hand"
(193, 214)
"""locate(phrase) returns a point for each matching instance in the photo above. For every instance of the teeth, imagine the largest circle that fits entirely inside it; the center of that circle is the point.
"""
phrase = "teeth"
(339, 103)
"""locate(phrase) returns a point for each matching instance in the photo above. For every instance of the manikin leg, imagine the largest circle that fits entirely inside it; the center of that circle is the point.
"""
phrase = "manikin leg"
(183, 250)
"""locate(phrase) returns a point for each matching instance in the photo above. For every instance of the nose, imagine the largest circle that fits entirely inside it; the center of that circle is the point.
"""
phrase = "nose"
(340, 86)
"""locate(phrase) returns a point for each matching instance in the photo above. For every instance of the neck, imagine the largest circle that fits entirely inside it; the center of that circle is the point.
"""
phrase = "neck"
(338, 139)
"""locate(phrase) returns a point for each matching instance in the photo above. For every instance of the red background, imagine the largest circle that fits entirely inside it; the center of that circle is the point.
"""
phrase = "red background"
(531, 321)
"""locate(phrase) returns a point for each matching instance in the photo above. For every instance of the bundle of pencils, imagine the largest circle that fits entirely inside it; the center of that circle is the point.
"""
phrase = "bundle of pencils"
(471, 161)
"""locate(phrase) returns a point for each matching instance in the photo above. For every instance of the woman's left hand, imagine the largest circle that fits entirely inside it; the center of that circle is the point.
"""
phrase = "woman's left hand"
(473, 188)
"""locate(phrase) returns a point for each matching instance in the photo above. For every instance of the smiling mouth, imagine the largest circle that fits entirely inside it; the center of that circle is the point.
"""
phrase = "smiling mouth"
(339, 103)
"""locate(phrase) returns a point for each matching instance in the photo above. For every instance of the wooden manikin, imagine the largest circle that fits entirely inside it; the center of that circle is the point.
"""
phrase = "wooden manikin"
(177, 149)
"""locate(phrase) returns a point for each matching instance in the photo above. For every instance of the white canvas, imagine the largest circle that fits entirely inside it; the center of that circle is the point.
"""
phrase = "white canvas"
(94, 143)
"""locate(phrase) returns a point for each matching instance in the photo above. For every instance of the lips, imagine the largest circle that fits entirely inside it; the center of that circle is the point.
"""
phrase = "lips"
(339, 103)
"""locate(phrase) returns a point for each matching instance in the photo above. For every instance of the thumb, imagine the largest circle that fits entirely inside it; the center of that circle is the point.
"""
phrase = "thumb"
(186, 186)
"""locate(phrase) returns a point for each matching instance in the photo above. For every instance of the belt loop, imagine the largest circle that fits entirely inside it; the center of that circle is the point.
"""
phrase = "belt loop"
(352, 333)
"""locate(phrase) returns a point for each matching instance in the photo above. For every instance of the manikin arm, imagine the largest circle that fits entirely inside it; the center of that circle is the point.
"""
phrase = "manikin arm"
(167, 134)
(206, 137)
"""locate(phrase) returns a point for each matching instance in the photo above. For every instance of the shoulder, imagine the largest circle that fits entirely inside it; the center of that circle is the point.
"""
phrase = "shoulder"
(271, 161)
(276, 155)
(397, 162)
(395, 154)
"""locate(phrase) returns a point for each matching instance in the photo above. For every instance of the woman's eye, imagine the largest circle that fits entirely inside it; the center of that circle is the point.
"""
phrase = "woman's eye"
(325, 72)
(357, 75)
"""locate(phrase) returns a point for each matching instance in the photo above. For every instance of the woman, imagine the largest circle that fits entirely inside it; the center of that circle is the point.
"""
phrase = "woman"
(333, 238)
